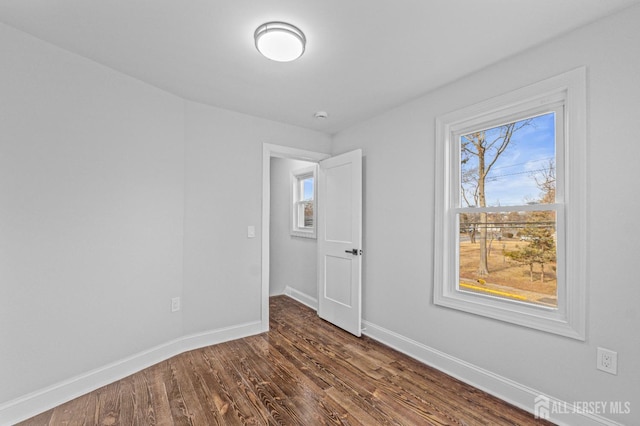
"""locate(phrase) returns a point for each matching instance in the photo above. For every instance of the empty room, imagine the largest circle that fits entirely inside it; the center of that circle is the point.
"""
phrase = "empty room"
(342, 212)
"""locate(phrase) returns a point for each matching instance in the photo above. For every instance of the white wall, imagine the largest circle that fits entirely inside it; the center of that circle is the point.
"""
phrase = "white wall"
(91, 213)
(398, 265)
(100, 224)
(100, 176)
(223, 196)
(293, 259)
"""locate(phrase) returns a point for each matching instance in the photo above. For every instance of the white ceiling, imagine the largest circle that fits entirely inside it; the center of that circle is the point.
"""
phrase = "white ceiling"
(362, 57)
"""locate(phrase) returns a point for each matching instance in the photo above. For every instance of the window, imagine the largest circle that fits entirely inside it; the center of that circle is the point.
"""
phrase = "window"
(511, 207)
(303, 195)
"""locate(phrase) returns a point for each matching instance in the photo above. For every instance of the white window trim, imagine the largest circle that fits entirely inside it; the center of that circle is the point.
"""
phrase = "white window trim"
(569, 319)
(296, 175)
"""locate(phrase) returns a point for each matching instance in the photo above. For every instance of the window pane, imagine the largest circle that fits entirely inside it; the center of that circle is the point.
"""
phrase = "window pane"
(510, 255)
(306, 189)
(305, 214)
(512, 164)
(308, 214)
(302, 195)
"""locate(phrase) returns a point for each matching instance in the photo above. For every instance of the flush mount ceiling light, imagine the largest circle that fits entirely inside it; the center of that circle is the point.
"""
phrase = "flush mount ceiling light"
(280, 41)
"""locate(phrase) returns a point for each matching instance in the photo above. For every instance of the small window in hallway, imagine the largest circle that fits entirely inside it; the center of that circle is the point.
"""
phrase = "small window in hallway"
(303, 202)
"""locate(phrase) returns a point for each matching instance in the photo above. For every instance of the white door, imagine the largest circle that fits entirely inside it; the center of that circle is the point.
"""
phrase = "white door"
(340, 240)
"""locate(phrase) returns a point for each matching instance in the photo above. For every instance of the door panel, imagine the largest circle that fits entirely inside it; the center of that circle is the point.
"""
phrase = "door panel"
(338, 279)
(340, 240)
(338, 205)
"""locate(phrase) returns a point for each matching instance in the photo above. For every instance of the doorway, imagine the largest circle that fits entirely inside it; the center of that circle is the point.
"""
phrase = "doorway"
(293, 244)
(339, 234)
(271, 151)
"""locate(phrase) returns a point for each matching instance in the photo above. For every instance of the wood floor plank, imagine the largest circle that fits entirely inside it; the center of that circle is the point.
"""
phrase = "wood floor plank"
(311, 404)
(144, 412)
(192, 392)
(128, 402)
(77, 412)
(246, 408)
(160, 405)
(219, 392)
(258, 377)
(304, 371)
(42, 419)
(108, 410)
(210, 399)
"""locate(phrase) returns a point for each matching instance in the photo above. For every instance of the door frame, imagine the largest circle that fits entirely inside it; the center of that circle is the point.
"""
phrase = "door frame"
(274, 151)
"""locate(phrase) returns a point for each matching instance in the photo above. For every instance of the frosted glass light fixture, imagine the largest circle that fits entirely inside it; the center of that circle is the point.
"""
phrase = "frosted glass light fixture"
(280, 41)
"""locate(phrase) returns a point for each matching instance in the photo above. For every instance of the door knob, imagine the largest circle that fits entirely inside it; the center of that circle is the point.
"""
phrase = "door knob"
(354, 252)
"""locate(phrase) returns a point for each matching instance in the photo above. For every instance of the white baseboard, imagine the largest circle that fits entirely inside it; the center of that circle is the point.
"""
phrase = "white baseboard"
(506, 389)
(42, 400)
(301, 297)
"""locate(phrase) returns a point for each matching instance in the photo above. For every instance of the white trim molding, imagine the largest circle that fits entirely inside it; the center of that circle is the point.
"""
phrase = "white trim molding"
(567, 95)
(305, 299)
(295, 198)
(34, 403)
(506, 389)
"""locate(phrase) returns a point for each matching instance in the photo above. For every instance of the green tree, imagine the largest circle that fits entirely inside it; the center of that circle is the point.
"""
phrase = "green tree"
(540, 248)
(522, 255)
(540, 228)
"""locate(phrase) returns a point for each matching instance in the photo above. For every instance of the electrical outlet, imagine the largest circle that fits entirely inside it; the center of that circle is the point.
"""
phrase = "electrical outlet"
(607, 361)
(175, 304)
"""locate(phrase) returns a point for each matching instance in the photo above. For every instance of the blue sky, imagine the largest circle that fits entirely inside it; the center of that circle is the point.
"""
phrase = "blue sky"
(531, 148)
(307, 189)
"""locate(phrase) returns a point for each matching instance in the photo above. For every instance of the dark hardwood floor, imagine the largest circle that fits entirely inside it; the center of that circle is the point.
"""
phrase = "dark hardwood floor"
(304, 371)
